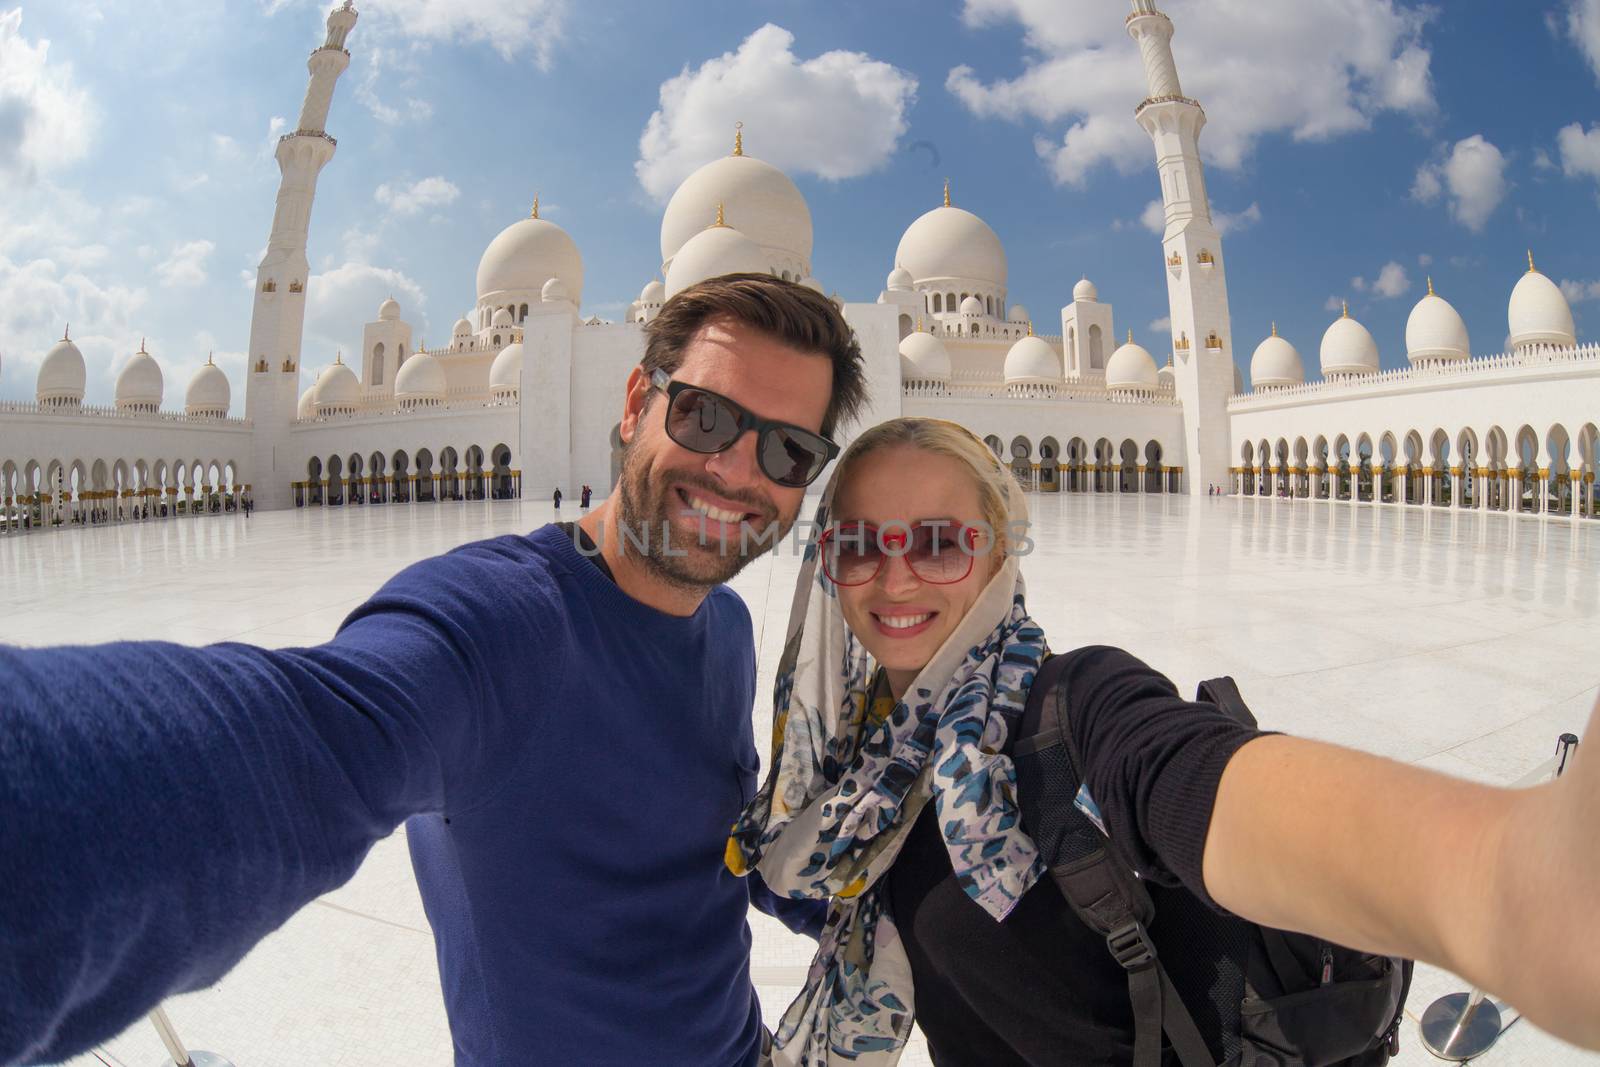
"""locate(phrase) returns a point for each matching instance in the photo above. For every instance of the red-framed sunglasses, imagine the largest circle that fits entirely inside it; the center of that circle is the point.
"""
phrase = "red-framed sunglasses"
(939, 553)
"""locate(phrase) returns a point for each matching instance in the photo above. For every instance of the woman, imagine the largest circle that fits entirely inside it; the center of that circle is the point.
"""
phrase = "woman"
(910, 650)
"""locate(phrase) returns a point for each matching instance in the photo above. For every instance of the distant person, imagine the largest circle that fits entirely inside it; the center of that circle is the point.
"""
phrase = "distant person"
(584, 501)
(558, 498)
(564, 717)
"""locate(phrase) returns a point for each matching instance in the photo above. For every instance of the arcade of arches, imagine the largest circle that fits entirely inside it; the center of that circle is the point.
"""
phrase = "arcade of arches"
(55, 492)
(402, 477)
(1082, 467)
(1522, 470)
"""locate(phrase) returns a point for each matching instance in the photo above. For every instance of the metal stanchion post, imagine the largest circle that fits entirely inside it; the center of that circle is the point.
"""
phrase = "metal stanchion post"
(182, 1057)
(1462, 1026)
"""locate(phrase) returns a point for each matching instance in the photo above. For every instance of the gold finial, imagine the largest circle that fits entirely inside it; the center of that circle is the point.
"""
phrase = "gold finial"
(1531, 268)
(721, 220)
(738, 138)
(1130, 335)
(947, 192)
(535, 212)
(1274, 329)
(919, 323)
(1430, 285)
(338, 357)
(1030, 327)
(208, 359)
(1346, 304)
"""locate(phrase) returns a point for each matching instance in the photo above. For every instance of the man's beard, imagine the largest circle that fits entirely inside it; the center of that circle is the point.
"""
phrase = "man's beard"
(646, 530)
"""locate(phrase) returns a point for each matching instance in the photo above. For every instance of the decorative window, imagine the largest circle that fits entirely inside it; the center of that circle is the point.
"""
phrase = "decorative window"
(1205, 258)
(269, 286)
(261, 366)
(288, 366)
(1212, 340)
(1175, 260)
(1182, 343)
(296, 287)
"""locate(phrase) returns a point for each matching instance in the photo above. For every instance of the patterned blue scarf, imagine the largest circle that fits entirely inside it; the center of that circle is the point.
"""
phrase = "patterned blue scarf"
(845, 786)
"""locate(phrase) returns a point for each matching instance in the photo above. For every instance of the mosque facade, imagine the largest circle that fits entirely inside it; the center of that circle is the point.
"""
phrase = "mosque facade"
(525, 395)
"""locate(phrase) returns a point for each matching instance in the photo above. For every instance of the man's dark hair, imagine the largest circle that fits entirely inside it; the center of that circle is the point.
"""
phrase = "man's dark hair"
(799, 317)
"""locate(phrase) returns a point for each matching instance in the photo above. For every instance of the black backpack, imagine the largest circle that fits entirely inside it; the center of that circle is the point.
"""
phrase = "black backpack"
(1267, 998)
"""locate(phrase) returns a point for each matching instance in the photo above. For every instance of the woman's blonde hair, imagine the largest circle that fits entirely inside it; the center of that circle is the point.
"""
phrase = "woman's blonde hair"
(992, 479)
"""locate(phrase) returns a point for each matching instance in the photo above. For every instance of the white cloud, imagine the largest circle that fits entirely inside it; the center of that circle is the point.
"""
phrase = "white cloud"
(1154, 217)
(1162, 325)
(1359, 284)
(1473, 173)
(378, 57)
(1392, 281)
(1316, 69)
(1424, 260)
(186, 266)
(38, 299)
(1334, 303)
(1583, 23)
(46, 121)
(838, 115)
(338, 301)
(417, 197)
(1243, 220)
(1580, 151)
(1579, 292)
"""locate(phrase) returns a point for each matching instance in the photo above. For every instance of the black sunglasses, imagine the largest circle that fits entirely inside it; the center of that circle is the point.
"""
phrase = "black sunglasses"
(705, 422)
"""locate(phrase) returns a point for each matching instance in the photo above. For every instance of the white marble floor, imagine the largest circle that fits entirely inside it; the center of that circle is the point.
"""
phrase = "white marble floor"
(1463, 642)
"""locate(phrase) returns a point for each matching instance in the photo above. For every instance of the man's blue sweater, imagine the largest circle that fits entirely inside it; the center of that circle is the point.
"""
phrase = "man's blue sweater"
(569, 759)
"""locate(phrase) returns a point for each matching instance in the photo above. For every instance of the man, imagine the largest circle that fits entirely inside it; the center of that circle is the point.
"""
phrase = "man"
(570, 738)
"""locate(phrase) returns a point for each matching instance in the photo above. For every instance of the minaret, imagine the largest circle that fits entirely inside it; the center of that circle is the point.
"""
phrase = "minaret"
(272, 388)
(1197, 290)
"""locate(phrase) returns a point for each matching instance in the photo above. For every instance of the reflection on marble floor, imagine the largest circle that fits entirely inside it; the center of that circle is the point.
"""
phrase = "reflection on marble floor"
(1458, 641)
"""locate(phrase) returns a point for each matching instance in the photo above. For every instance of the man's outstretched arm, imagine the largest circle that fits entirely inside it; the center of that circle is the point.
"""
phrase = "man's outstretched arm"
(163, 808)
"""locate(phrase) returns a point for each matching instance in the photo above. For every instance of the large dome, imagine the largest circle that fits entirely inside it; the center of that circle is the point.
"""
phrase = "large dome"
(1348, 348)
(923, 356)
(208, 392)
(1435, 331)
(1276, 363)
(306, 410)
(62, 374)
(755, 196)
(711, 253)
(527, 254)
(1131, 367)
(421, 378)
(1032, 360)
(1539, 313)
(338, 389)
(141, 385)
(949, 242)
(505, 374)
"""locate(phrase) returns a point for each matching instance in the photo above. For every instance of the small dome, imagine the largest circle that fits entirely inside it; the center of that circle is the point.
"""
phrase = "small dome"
(463, 328)
(1348, 348)
(900, 279)
(505, 374)
(389, 310)
(972, 306)
(949, 242)
(1435, 331)
(306, 410)
(1019, 315)
(421, 378)
(1166, 378)
(62, 374)
(923, 356)
(501, 318)
(1131, 367)
(208, 392)
(1032, 359)
(140, 385)
(553, 292)
(756, 197)
(1539, 313)
(1085, 292)
(1276, 363)
(713, 252)
(337, 389)
(653, 293)
(525, 255)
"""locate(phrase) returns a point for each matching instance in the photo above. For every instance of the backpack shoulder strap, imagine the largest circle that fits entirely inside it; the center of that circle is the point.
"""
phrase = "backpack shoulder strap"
(1107, 896)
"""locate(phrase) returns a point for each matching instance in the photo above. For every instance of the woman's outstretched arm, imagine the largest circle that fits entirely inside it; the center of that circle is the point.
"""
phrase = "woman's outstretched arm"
(1499, 886)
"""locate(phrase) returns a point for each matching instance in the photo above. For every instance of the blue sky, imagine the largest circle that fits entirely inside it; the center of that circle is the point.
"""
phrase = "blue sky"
(1356, 146)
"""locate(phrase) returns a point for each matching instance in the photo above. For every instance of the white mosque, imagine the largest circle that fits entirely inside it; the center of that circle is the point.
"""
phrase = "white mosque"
(525, 395)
